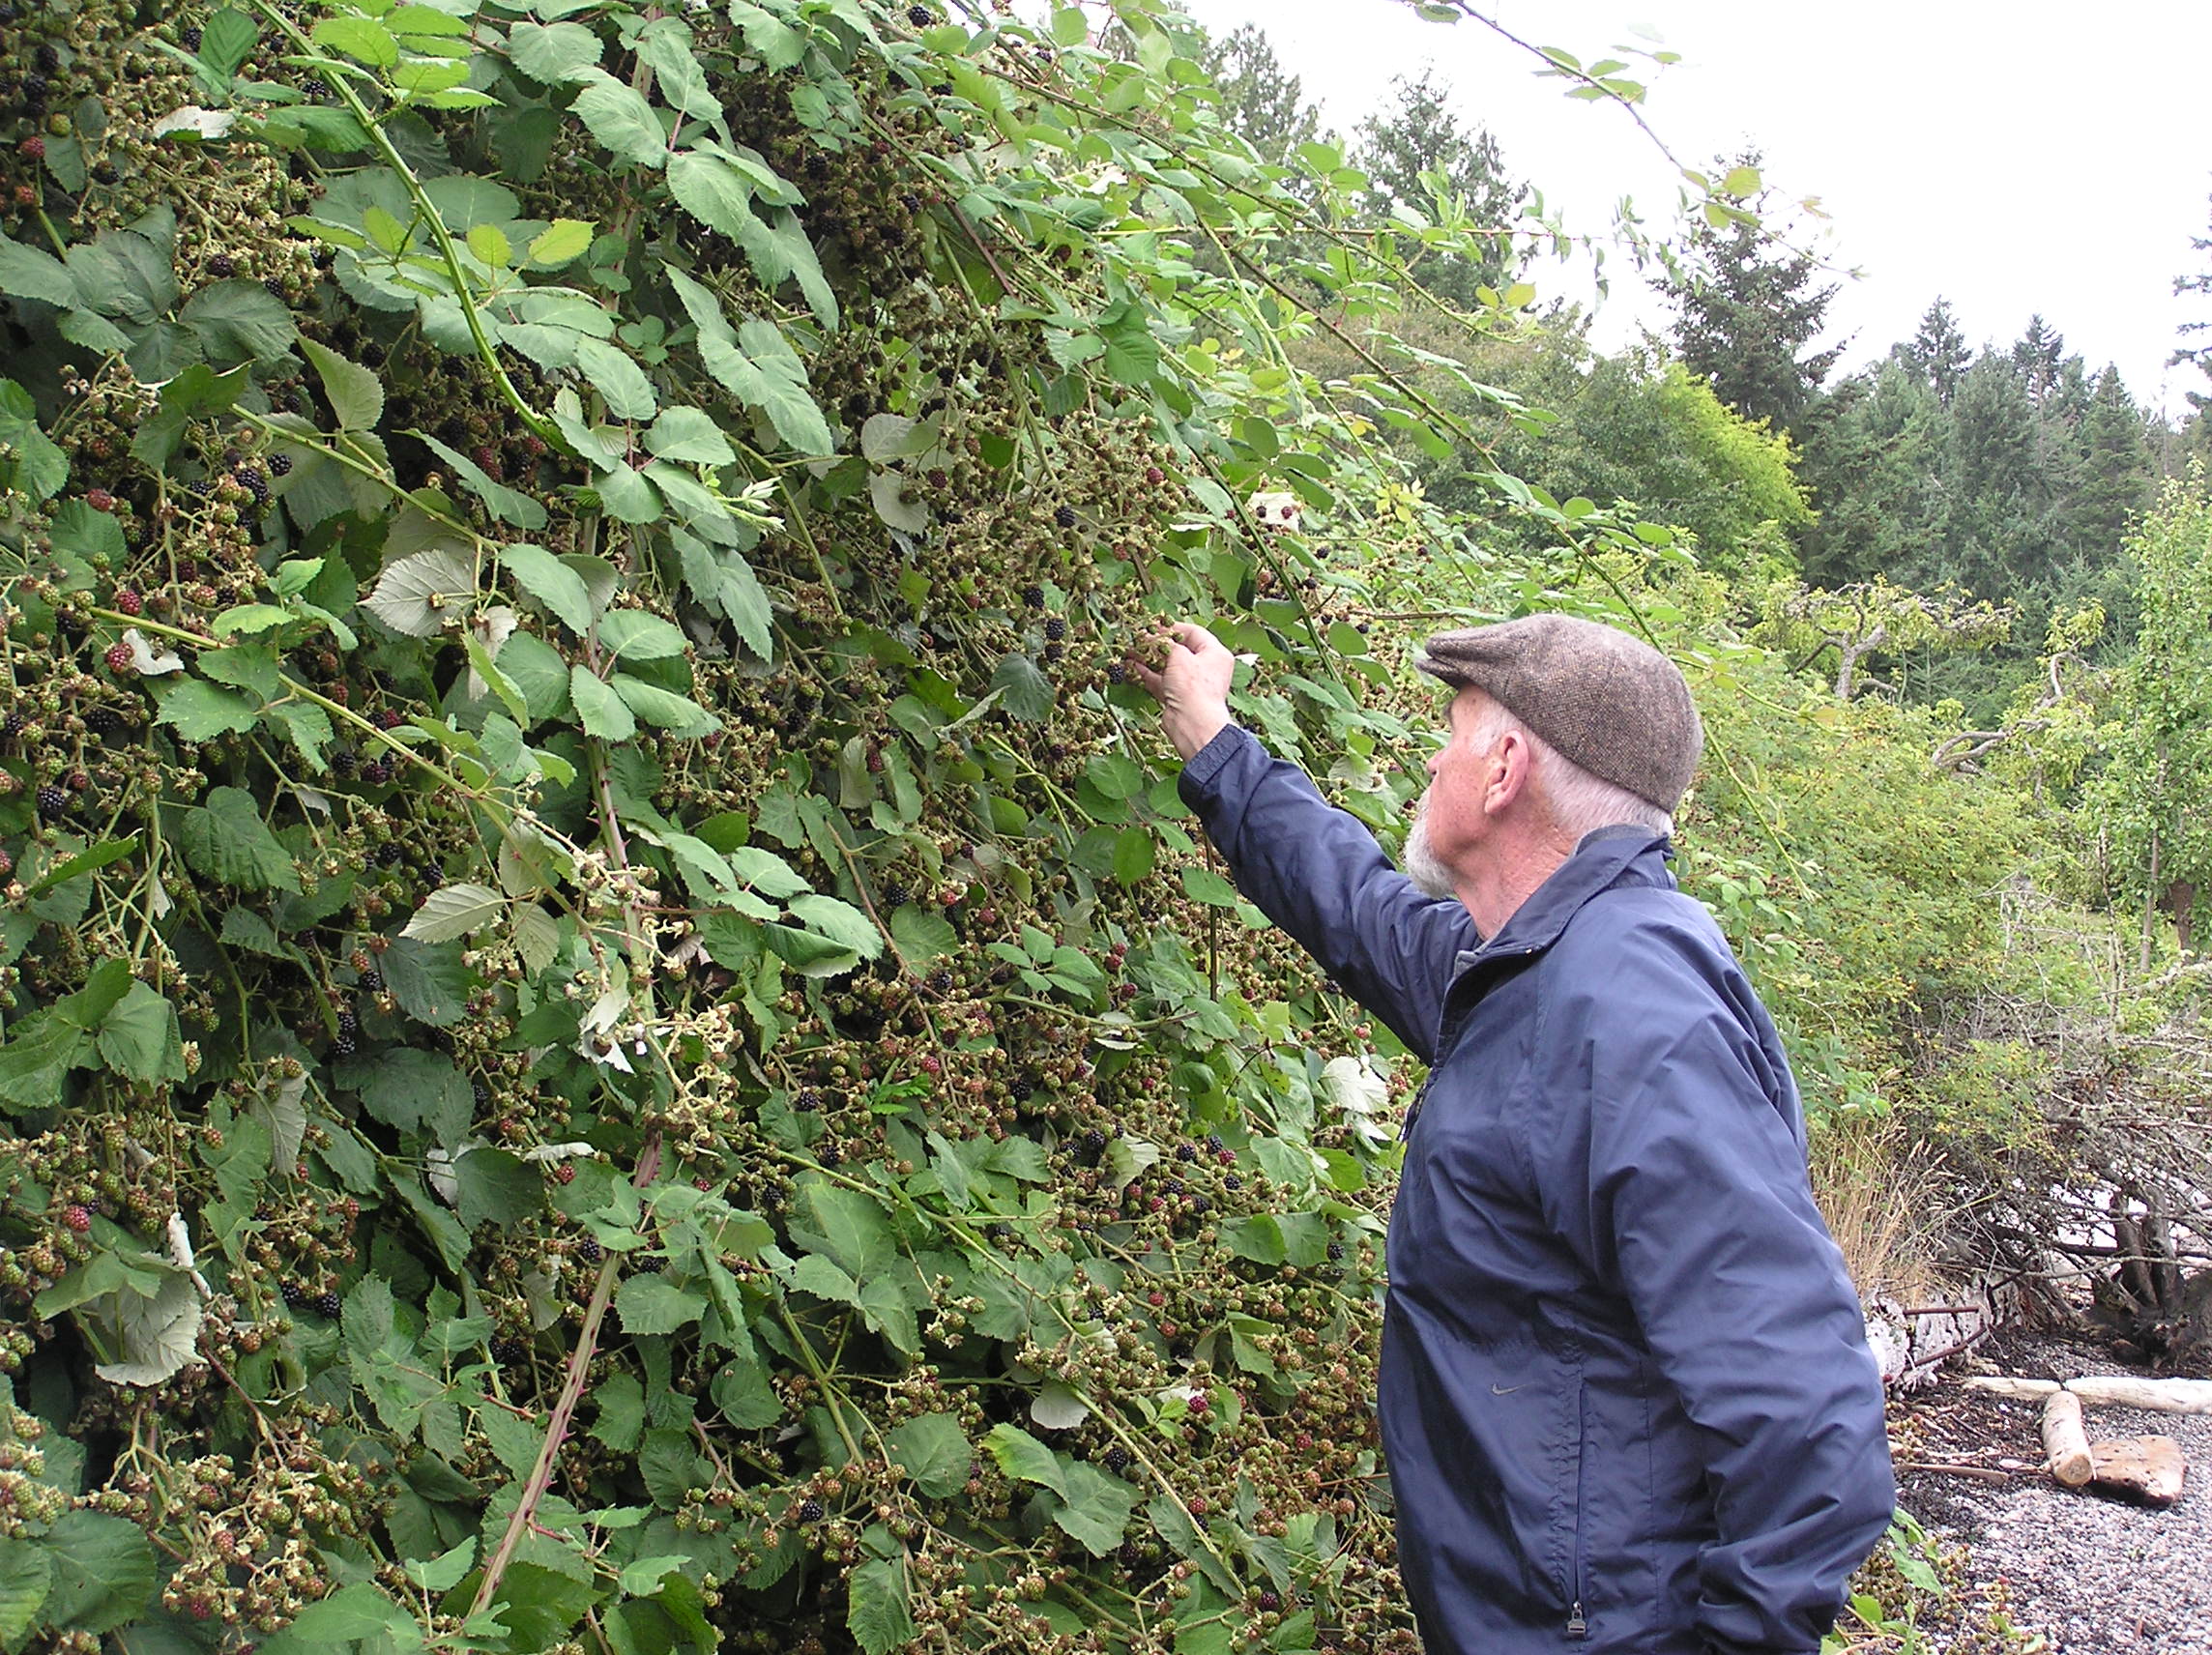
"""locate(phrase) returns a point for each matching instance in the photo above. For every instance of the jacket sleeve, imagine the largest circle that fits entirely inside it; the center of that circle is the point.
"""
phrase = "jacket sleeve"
(1700, 1213)
(1317, 872)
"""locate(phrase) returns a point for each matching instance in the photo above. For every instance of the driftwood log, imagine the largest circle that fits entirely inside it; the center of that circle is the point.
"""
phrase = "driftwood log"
(2065, 1444)
(2148, 1468)
(2115, 1390)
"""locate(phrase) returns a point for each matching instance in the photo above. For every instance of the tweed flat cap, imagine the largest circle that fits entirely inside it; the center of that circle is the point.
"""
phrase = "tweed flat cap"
(1599, 698)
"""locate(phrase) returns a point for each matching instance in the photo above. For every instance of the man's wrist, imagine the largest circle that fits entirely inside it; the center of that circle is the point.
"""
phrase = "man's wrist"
(1192, 732)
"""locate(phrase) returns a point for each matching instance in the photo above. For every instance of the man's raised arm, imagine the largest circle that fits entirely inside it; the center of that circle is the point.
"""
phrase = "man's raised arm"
(1313, 869)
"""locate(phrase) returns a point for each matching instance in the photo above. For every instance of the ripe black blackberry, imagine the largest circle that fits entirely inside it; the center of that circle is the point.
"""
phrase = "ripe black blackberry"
(1065, 517)
(348, 1041)
(506, 1350)
(45, 59)
(896, 895)
(830, 1157)
(105, 722)
(1335, 1251)
(389, 853)
(275, 284)
(344, 763)
(810, 1510)
(372, 982)
(251, 480)
(920, 17)
(189, 39)
(1184, 1152)
(807, 1102)
(11, 726)
(280, 465)
(1056, 629)
(329, 1304)
(1034, 596)
(53, 802)
(590, 1251)
(294, 1294)
(1116, 1458)
(221, 266)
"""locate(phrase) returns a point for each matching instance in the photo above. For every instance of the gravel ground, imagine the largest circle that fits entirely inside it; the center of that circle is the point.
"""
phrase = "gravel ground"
(2095, 1576)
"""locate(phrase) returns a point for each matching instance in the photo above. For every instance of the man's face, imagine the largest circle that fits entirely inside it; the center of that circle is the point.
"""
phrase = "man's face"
(1450, 823)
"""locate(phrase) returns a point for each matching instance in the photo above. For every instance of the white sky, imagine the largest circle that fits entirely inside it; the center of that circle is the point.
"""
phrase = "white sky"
(2013, 158)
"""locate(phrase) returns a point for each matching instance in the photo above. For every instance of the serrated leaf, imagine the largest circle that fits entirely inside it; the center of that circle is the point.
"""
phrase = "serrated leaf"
(537, 936)
(621, 120)
(552, 582)
(616, 376)
(24, 1573)
(1096, 1509)
(664, 710)
(138, 1039)
(103, 1572)
(32, 273)
(600, 710)
(563, 242)
(714, 192)
(689, 436)
(1023, 688)
(423, 595)
(506, 504)
(757, 365)
(355, 393)
(934, 1452)
(226, 838)
(653, 1304)
(635, 634)
(554, 53)
(455, 911)
(199, 711)
(840, 921)
(876, 1611)
(921, 936)
(892, 494)
(159, 1335)
(239, 321)
(1024, 1458)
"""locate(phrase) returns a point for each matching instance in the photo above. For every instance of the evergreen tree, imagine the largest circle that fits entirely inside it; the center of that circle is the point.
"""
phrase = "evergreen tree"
(2038, 358)
(2116, 470)
(2201, 355)
(1414, 151)
(1746, 309)
(1938, 351)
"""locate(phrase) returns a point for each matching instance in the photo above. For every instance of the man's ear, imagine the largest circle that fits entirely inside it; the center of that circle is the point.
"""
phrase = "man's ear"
(1509, 773)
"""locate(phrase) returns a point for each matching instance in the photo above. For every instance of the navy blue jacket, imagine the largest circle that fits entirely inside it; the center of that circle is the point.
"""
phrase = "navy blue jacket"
(1625, 1394)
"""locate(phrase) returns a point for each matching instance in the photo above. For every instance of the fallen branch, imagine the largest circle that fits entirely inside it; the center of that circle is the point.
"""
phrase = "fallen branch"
(2065, 1444)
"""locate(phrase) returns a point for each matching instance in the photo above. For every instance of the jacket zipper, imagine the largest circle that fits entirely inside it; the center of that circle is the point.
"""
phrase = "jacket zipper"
(1578, 1626)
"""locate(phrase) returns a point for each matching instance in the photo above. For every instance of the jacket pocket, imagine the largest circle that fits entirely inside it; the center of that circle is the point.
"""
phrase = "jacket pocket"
(1575, 1507)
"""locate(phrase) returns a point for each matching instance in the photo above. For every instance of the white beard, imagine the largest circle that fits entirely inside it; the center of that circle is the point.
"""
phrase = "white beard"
(1423, 867)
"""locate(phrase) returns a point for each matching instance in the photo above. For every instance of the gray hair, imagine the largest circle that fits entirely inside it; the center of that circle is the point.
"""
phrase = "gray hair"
(1576, 802)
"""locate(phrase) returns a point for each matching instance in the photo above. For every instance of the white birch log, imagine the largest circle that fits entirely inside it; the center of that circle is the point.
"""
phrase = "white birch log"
(2027, 1390)
(2161, 1396)
(2065, 1444)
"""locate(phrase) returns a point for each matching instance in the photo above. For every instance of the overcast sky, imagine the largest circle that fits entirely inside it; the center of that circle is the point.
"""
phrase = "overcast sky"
(2016, 157)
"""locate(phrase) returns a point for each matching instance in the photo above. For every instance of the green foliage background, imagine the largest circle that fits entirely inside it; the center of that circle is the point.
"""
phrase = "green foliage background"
(614, 1035)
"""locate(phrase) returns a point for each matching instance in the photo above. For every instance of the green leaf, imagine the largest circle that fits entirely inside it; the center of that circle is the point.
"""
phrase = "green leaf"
(355, 393)
(358, 38)
(689, 436)
(621, 120)
(564, 242)
(1096, 1509)
(455, 911)
(616, 376)
(1134, 854)
(1070, 26)
(24, 1573)
(199, 711)
(776, 42)
(138, 1037)
(934, 1452)
(876, 1611)
(409, 1090)
(664, 710)
(653, 1304)
(103, 1572)
(757, 365)
(1024, 1458)
(537, 670)
(602, 711)
(923, 936)
(508, 504)
(227, 840)
(1023, 688)
(854, 1225)
(840, 921)
(423, 595)
(1204, 884)
(637, 635)
(621, 1402)
(427, 979)
(554, 53)
(32, 273)
(239, 321)
(491, 1186)
(715, 193)
(552, 582)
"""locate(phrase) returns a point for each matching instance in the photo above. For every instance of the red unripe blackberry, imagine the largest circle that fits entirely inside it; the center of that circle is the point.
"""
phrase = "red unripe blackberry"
(129, 603)
(1154, 475)
(78, 1218)
(99, 499)
(119, 658)
(565, 1173)
(34, 148)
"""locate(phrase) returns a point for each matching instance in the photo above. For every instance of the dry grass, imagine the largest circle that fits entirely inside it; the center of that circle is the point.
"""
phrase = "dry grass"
(1882, 1203)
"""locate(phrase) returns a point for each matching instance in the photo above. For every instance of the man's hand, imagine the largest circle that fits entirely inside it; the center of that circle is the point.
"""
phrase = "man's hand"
(1191, 687)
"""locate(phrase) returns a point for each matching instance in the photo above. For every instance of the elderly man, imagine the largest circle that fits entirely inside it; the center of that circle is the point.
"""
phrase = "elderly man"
(1626, 1396)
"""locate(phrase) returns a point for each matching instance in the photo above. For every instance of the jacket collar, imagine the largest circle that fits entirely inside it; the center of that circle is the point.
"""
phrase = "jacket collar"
(1620, 854)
